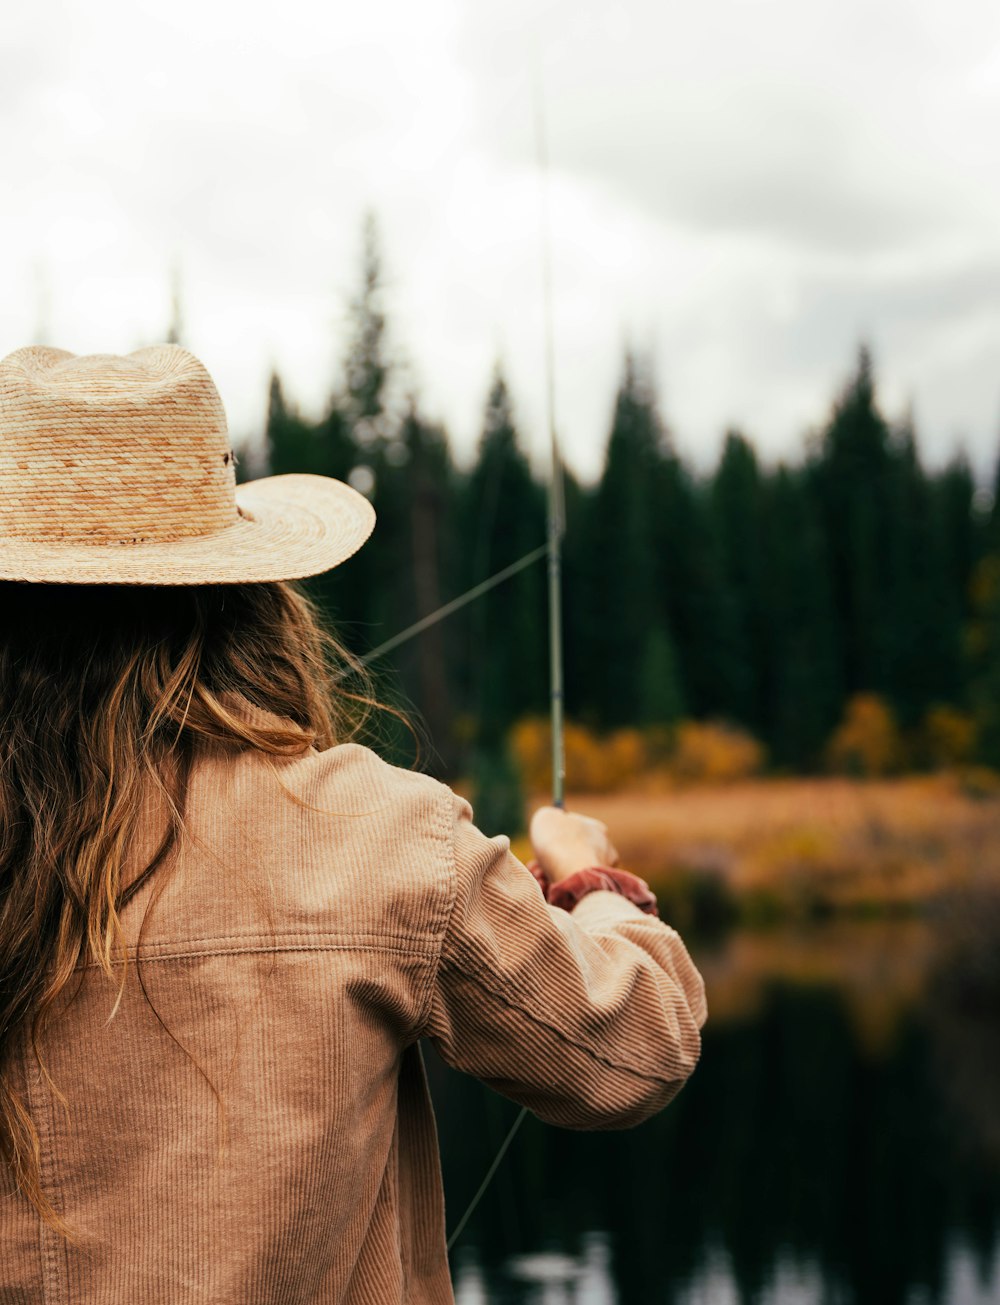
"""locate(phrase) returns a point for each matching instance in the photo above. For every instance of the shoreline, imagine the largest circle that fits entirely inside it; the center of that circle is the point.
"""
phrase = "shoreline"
(776, 849)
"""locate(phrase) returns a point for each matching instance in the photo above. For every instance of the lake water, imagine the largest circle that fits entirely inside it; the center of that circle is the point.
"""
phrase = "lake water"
(839, 1142)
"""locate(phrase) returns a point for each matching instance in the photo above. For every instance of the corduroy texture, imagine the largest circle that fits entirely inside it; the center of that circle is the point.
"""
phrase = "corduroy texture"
(297, 956)
(119, 470)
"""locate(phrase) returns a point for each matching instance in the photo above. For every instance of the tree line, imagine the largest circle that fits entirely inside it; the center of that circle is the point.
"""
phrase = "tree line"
(764, 596)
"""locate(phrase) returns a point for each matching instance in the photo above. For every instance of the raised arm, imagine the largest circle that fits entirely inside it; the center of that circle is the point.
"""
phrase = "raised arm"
(590, 1018)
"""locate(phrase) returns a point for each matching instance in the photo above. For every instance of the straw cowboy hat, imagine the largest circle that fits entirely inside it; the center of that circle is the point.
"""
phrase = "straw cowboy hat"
(118, 470)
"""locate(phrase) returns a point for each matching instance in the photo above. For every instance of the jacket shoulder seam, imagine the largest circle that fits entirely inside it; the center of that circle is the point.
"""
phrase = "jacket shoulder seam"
(446, 833)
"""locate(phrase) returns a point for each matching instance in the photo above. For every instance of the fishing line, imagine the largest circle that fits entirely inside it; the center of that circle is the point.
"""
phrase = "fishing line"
(418, 627)
(432, 618)
(470, 1209)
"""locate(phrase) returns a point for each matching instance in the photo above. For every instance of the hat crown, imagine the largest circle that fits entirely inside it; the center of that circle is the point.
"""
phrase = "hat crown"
(103, 448)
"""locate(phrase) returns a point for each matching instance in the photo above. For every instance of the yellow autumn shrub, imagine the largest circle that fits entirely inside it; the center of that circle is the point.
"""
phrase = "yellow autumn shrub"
(714, 753)
(531, 744)
(594, 763)
(867, 741)
(948, 736)
(625, 758)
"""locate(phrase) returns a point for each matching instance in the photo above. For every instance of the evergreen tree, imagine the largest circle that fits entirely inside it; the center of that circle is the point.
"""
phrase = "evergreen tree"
(963, 526)
(661, 700)
(361, 434)
(923, 608)
(288, 439)
(579, 666)
(984, 658)
(853, 481)
(498, 797)
(982, 635)
(426, 481)
(367, 370)
(991, 529)
(736, 498)
(621, 565)
(802, 679)
(692, 592)
(503, 517)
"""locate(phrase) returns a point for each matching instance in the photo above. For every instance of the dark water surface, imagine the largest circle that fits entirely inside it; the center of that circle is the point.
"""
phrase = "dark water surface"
(839, 1142)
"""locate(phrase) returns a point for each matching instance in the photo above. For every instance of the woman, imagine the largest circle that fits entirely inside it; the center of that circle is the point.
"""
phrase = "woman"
(223, 926)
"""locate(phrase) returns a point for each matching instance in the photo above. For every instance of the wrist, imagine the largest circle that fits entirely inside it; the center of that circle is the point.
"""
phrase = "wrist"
(569, 890)
(557, 871)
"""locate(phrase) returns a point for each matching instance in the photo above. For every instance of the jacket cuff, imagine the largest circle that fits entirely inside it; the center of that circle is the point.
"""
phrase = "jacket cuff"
(567, 893)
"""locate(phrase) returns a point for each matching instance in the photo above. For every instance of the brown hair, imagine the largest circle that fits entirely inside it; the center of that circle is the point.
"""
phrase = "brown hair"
(105, 689)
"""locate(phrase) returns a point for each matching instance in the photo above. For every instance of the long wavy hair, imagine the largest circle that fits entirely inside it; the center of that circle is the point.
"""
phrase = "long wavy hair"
(104, 690)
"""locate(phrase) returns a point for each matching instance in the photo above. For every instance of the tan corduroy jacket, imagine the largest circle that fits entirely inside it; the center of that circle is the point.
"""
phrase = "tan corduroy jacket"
(256, 1129)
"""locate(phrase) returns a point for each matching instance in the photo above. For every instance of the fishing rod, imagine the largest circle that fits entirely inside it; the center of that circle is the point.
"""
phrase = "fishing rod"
(556, 528)
(556, 493)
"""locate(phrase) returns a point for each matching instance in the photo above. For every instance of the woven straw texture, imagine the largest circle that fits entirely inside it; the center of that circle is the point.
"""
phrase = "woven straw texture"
(118, 470)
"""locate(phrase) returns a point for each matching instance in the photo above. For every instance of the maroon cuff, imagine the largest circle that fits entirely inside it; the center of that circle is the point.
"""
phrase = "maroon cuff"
(567, 892)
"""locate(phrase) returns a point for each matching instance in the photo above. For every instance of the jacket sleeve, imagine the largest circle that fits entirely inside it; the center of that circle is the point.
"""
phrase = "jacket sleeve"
(591, 1019)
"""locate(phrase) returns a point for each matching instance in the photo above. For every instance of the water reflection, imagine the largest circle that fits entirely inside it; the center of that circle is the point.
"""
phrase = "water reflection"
(967, 1281)
(830, 1149)
(548, 1277)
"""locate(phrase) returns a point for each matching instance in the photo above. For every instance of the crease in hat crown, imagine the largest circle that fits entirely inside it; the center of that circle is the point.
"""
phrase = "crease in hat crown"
(118, 470)
(105, 449)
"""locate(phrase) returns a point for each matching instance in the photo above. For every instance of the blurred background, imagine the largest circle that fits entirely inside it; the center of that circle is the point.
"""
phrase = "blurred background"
(775, 275)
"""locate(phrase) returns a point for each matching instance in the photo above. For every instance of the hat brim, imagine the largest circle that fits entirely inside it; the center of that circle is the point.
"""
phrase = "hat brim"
(287, 527)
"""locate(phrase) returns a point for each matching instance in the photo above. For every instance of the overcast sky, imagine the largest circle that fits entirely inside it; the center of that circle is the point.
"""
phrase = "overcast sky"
(745, 188)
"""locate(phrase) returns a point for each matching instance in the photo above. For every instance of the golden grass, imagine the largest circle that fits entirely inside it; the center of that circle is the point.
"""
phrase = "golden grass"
(809, 846)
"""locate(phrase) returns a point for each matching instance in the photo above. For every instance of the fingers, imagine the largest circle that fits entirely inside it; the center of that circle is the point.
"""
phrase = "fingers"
(553, 828)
